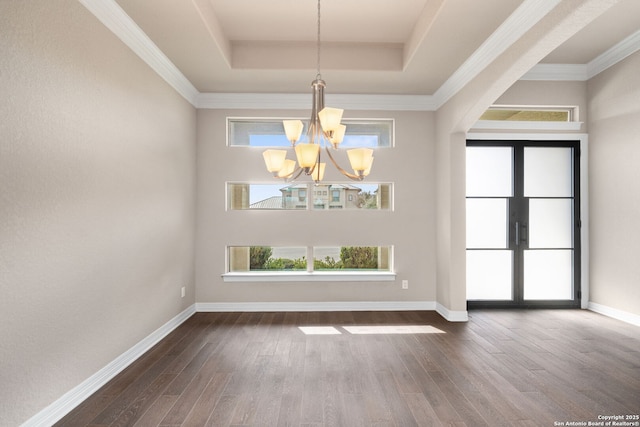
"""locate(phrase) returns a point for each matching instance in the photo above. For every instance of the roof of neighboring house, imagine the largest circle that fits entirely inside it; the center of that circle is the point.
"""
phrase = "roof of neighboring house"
(345, 186)
(274, 202)
(304, 186)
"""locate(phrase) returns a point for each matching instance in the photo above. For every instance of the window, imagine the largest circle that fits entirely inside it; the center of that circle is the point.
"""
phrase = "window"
(267, 258)
(359, 258)
(251, 132)
(366, 196)
(261, 259)
(530, 114)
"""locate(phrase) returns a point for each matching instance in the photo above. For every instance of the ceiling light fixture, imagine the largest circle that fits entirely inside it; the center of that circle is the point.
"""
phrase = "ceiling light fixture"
(323, 131)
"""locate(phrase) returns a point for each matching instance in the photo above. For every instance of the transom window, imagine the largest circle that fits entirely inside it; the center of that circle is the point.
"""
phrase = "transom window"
(253, 132)
(530, 113)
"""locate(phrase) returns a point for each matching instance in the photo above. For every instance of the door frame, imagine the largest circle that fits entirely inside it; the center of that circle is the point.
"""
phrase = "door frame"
(584, 189)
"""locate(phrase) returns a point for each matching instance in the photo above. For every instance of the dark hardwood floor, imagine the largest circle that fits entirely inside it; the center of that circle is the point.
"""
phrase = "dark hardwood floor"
(502, 368)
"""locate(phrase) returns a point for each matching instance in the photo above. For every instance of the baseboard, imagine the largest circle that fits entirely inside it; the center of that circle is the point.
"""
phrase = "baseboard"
(452, 316)
(315, 306)
(625, 316)
(61, 407)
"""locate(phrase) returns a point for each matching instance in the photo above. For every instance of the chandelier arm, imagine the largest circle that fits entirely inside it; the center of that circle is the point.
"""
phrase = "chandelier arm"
(295, 174)
(342, 171)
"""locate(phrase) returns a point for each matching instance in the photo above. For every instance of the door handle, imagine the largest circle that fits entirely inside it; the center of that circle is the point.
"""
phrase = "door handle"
(521, 239)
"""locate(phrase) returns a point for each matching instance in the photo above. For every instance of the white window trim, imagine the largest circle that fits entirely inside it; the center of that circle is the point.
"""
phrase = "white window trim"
(305, 276)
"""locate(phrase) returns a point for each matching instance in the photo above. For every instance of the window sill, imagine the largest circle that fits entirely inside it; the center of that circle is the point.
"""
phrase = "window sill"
(303, 276)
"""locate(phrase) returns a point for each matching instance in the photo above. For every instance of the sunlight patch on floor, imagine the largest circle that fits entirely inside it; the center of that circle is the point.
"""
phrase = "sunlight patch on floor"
(371, 330)
(319, 330)
(392, 329)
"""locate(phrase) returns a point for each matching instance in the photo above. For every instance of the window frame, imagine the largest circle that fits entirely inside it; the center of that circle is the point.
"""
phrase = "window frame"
(310, 275)
(270, 123)
(310, 191)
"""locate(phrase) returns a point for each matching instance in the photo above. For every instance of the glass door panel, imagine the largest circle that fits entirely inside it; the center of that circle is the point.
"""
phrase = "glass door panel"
(489, 171)
(548, 274)
(550, 223)
(548, 172)
(490, 275)
(489, 189)
(487, 223)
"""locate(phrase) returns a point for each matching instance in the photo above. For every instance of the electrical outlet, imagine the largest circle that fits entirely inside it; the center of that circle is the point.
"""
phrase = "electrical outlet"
(183, 292)
(405, 284)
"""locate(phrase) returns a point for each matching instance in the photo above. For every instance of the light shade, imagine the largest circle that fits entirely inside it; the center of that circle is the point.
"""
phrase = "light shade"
(338, 135)
(330, 118)
(361, 159)
(368, 169)
(307, 154)
(293, 129)
(287, 169)
(274, 159)
(318, 172)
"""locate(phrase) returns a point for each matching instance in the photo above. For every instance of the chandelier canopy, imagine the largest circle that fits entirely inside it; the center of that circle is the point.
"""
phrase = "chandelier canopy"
(324, 131)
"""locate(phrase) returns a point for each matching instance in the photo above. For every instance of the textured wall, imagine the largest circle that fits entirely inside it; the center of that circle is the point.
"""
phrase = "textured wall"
(97, 179)
(614, 139)
(410, 228)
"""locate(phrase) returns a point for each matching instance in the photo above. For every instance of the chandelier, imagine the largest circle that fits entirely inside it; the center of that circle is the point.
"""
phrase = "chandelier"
(324, 131)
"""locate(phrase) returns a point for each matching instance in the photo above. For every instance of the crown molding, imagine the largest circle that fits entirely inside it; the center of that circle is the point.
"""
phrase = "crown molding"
(617, 53)
(584, 72)
(517, 24)
(296, 101)
(264, 101)
(557, 72)
(116, 19)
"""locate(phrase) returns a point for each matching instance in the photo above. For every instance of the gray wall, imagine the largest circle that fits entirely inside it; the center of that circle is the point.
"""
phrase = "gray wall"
(410, 228)
(97, 187)
(614, 138)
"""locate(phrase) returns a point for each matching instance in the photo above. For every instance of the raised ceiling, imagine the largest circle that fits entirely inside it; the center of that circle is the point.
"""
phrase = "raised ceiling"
(368, 46)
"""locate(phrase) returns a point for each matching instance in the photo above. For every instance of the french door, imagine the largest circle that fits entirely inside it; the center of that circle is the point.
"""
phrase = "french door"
(523, 219)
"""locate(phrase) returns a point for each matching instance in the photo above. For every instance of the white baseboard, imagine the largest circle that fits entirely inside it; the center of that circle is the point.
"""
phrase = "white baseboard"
(625, 316)
(315, 306)
(452, 316)
(61, 407)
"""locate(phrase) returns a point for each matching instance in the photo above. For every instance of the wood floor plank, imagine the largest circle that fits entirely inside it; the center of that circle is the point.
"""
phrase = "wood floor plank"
(156, 412)
(203, 407)
(143, 401)
(503, 367)
(223, 411)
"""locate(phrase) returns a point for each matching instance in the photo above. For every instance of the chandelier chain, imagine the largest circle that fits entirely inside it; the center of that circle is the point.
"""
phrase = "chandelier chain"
(318, 76)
